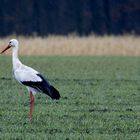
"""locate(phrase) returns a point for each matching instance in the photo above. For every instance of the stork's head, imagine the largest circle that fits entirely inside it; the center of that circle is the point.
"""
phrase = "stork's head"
(12, 43)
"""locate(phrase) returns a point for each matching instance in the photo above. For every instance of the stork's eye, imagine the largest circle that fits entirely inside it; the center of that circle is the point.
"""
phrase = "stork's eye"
(10, 42)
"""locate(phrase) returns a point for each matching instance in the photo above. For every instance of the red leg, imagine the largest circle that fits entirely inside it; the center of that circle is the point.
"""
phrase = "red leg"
(31, 105)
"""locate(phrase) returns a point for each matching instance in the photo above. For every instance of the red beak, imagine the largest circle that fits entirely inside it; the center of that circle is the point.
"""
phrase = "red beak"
(6, 49)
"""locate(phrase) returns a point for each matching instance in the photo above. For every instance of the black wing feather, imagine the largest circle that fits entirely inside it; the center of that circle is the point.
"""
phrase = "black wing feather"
(43, 86)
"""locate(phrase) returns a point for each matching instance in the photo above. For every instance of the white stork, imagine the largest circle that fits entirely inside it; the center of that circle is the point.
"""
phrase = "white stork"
(29, 77)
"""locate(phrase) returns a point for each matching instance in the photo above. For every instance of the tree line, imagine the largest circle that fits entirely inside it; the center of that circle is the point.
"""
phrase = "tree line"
(44, 17)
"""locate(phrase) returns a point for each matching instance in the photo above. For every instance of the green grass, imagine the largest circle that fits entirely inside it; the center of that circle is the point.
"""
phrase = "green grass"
(100, 100)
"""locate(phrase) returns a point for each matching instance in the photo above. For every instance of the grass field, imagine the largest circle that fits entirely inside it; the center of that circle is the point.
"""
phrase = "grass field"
(100, 99)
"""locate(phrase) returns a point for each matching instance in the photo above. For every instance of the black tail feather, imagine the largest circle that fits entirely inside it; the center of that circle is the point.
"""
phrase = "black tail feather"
(53, 93)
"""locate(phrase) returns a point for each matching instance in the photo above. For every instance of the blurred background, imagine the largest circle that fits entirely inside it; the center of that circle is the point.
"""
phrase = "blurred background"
(82, 18)
(43, 17)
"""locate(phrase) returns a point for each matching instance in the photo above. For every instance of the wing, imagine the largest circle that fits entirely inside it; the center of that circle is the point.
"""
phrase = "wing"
(32, 78)
(41, 86)
(44, 87)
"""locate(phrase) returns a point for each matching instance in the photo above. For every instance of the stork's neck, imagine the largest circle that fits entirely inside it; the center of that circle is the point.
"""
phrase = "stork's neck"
(16, 61)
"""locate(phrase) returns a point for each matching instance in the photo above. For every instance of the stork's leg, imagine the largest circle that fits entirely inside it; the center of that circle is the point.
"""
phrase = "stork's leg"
(31, 104)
